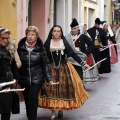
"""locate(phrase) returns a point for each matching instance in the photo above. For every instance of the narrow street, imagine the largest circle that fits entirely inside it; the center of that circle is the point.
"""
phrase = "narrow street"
(103, 104)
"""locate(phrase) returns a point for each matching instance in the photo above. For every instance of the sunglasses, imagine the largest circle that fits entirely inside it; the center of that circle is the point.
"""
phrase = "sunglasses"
(5, 38)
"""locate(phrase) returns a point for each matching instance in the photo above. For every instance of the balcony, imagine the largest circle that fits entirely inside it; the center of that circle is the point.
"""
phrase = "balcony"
(92, 1)
(114, 0)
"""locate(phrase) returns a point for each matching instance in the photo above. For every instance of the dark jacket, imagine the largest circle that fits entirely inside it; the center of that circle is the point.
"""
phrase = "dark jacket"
(92, 33)
(8, 69)
(83, 41)
(34, 64)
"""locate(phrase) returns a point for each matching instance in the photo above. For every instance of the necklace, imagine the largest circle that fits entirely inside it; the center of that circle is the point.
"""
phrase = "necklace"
(61, 47)
(56, 41)
(54, 60)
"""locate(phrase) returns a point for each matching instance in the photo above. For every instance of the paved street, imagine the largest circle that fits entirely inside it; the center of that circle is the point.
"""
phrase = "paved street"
(103, 104)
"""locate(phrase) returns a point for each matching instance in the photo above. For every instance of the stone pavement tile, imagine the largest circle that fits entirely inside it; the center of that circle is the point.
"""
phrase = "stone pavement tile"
(104, 117)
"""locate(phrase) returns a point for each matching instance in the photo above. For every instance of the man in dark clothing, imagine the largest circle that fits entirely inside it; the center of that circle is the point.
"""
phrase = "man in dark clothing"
(98, 37)
(78, 43)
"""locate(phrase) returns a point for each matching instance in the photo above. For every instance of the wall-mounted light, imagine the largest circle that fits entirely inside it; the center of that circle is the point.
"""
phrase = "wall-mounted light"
(14, 3)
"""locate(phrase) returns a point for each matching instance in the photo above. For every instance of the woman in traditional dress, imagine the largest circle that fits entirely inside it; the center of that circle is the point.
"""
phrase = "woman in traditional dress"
(111, 40)
(92, 75)
(68, 93)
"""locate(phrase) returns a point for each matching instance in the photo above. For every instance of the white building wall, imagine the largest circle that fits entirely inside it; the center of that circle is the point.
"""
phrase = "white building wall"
(75, 9)
(91, 17)
(84, 11)
(81, 12)
(22, 13)
(88, 13)
(68, 15)
(100, 9)
(51, 13)
(108, 14)
(61, 14)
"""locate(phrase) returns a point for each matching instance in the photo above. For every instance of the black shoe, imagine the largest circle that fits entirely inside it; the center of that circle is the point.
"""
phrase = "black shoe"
(60, 114)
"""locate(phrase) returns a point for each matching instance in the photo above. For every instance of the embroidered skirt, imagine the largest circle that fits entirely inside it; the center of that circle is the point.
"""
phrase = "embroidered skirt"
(69, 94)
(113, 55)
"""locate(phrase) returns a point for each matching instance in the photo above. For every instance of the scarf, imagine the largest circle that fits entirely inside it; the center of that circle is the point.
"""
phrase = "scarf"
(30, 47)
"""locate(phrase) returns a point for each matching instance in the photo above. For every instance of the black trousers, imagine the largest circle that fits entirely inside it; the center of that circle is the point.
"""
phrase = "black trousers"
(96, 54)
(31, 100)
(5, 116)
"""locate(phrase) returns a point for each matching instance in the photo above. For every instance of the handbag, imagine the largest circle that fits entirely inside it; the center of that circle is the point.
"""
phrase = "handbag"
(89, 60)
(15, 103)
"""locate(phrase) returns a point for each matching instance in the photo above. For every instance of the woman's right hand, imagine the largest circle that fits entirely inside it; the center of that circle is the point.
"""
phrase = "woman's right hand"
(7, 89)
(101, 49)
(0, 87)
(86, 66)
(51, 82)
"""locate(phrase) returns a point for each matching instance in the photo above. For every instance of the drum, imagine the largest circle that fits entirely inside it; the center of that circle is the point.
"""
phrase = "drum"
(89, 60)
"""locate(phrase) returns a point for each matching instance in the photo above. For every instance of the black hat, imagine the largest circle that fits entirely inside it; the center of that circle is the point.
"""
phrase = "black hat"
(74, 23)
(97, 21)
(102, 22)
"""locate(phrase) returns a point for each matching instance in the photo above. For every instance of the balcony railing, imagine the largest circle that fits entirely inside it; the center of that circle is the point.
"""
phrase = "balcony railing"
(92, 1)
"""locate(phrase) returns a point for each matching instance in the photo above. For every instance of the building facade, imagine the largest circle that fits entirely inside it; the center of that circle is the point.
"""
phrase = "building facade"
(8, 16)
(85, 11)
(16, 15)
(116, 10)
(108, 11)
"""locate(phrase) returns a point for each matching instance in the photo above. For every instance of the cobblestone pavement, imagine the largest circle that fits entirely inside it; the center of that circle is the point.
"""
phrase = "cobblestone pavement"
(103, 104)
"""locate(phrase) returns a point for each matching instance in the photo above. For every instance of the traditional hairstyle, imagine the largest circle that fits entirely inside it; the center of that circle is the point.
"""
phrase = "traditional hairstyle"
(47, 42)
(109, 29)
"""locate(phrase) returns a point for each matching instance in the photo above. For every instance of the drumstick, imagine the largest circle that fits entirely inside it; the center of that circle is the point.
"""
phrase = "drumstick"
(53, 83)
(108, 47)
(11, 90)
(7, 83)
(95, 65)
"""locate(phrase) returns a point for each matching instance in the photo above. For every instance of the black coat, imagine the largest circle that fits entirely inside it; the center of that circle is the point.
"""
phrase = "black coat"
(8, 69)
(83, 41)
(92, 33)
(105, 66)
(34, 64)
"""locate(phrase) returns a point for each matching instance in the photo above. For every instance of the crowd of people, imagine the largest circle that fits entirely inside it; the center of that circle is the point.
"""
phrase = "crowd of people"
(54, 73)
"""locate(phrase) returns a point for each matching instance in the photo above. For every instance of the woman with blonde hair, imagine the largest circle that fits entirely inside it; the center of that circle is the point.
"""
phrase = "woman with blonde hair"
(33, 70)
